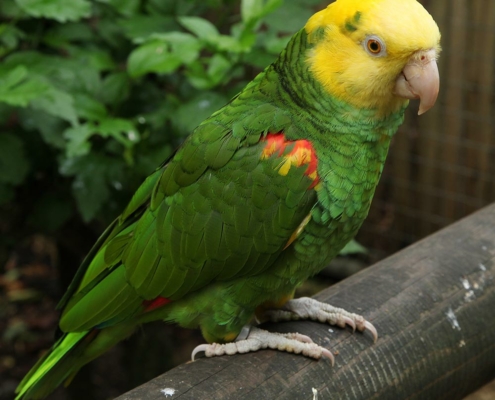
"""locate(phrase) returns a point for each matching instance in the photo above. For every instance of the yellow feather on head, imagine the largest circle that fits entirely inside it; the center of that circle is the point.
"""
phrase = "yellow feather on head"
(342, 64)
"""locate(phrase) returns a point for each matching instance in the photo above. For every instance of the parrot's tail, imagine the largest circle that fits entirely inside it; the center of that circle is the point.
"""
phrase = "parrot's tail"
(65, 358)
(55, 367)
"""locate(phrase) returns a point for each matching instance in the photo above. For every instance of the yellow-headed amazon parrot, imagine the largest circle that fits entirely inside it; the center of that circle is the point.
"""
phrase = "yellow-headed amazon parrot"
(261, 196)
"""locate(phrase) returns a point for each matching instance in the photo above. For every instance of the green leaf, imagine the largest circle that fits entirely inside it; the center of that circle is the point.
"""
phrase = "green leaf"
(140, 27)
(120, 129)
(57, 103)
(163, 53)
(14, 165)
(18, 88)
(78, 143)
(229, 43)
(50, 127)
(93, 175)
(15, 76)
(289, 18)
(94, 60)
(201, 27)
(91, 191)
(87, 77)
(153, 56)
(250, 9)
(127, 8)
(89, 108)
(198, 77)
(253, 10)
(70, 32)
(100, 60)
(112, 126)
(185, 46)
(161, 7)
(10, 37)
(60, 10)
(247, 38)
(218, 68)
(9, 9)
(69, 74)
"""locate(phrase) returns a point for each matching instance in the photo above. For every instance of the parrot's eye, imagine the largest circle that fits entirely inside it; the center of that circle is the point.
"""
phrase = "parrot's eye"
(374, 46)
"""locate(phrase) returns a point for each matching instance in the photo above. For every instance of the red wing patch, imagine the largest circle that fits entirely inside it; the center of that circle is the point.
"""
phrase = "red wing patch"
(159, 301)
(303, 153)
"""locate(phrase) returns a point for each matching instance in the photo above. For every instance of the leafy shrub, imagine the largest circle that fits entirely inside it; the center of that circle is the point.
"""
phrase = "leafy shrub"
(96, 94)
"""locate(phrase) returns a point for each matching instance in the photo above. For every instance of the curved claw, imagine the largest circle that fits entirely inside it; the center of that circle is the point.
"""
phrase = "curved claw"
(372, 329)
(328, 354)
(244, 333)
(198, 349)
(350, 322)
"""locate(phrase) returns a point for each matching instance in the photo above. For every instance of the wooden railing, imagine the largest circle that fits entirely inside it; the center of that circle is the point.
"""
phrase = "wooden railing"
(433, 305)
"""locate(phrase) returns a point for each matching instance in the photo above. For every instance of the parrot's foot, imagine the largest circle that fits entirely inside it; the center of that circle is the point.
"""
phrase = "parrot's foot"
(307, 308)
(258, 339)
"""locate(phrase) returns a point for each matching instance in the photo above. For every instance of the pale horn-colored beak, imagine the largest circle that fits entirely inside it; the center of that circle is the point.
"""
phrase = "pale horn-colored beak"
(420, 80)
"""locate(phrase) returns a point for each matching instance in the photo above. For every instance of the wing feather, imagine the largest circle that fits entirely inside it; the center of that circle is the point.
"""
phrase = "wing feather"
(218, 210)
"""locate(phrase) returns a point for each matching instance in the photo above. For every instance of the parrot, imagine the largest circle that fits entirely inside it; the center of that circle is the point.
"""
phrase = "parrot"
(260, 197)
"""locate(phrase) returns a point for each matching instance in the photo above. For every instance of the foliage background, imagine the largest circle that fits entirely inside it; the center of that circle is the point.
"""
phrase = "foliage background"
(93, 96)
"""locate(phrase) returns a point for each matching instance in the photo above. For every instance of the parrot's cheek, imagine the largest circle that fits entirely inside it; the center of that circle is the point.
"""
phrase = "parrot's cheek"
(420, 80)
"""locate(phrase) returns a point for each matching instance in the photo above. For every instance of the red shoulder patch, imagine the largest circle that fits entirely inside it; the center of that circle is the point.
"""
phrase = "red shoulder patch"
(159, 301)
(303, 153)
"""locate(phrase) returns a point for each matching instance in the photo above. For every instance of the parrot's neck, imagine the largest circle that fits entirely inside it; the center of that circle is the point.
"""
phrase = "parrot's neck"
(311, 106)
(351, 144)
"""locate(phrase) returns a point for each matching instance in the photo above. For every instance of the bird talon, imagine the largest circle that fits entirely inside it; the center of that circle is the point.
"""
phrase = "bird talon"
(198, 349)
(369, 326)
(328, 354)
(260, 339)
(350, 322)
(244, 333)
(308, 308)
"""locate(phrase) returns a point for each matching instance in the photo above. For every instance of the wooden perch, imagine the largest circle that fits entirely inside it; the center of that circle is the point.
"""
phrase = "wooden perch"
(433, 305)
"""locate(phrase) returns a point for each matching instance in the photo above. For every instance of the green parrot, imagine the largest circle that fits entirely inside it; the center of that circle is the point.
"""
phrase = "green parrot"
(261, 196)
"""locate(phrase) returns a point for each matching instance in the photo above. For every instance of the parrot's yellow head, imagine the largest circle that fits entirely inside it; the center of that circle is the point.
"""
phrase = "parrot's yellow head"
(376, 53)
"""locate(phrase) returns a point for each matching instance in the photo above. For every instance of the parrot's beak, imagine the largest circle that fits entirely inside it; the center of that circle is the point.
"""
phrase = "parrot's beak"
(420, 80)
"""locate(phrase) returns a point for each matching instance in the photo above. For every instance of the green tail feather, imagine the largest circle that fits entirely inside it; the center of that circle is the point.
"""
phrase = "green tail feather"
(53, 368)
(67, 356)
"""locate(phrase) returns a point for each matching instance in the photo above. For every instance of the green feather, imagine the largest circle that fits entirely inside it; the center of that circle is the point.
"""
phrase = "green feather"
(47, 363)
(100, 303)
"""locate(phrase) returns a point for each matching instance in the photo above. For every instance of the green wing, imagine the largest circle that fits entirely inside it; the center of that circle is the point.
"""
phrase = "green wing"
(219, 210)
